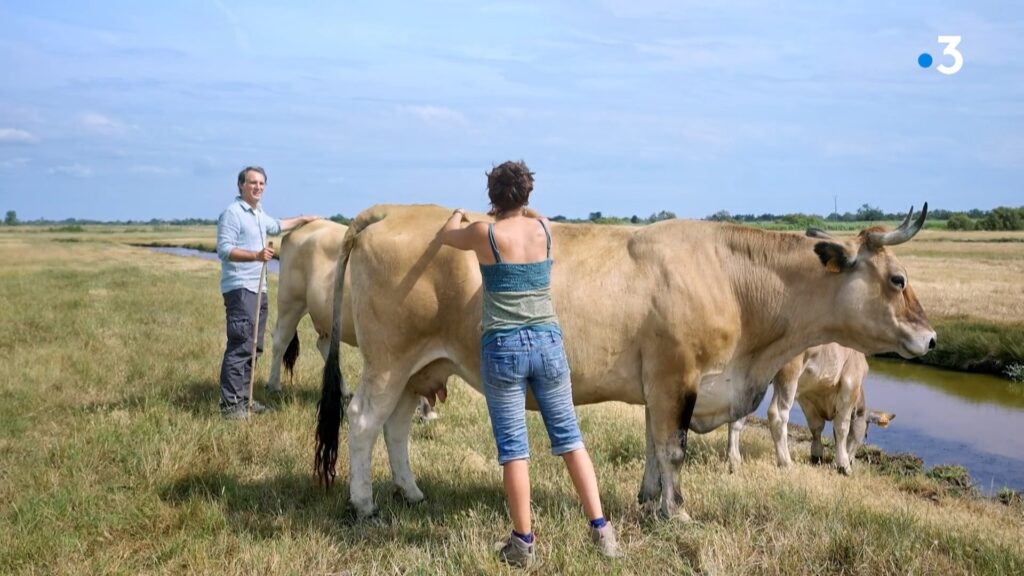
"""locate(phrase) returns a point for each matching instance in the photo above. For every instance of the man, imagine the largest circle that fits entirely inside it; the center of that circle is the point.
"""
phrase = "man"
(243, 250)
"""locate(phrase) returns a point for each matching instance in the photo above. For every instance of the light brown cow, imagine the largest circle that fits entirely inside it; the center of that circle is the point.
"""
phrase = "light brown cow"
(309, 261)
(827, 381)
(659, 315)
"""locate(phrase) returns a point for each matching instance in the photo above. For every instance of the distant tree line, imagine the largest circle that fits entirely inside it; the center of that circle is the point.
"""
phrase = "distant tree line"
(599, 218)
(1001, 218)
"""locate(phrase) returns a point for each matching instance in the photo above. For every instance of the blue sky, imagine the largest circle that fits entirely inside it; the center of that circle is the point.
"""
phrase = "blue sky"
(138, 110)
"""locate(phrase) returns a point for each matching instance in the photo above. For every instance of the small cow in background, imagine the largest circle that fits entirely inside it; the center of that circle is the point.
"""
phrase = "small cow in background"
(827, 381)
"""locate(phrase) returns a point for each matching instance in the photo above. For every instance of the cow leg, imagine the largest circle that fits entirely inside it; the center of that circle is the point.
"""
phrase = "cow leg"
(841, 426)
(650, 486)
(396, 437)
(371, 406)
(778, 420)
(735, 459)
(671, 423)
(817, 424)
(287, 322)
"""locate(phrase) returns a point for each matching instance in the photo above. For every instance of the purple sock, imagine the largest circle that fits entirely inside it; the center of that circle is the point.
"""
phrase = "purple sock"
(598, 522)
(528, 538)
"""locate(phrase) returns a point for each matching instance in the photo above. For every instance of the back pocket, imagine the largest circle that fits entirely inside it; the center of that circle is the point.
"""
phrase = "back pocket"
(555, 363)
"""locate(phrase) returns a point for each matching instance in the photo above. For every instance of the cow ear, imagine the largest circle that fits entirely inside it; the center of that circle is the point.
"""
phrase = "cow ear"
(834, 256)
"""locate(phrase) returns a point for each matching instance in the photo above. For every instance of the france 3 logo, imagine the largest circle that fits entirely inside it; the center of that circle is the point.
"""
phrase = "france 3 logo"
(951, 42)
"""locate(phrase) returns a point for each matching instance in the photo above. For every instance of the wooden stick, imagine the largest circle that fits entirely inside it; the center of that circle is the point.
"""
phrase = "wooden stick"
(256, 330)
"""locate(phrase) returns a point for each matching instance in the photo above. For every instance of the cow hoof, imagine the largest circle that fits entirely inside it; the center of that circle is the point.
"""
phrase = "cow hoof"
(815, 460)
(413, 498)
(365, 513)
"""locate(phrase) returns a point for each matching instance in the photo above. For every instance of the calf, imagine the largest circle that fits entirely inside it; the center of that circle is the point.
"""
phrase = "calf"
(827, 381)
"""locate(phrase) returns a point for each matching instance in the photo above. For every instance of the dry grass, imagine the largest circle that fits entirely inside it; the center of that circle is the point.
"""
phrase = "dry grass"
(116, 461)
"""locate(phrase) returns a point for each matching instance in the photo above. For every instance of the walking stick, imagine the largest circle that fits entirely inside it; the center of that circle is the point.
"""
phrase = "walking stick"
(256, 330)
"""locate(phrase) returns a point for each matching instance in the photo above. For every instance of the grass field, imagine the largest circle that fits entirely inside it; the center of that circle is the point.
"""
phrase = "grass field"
(115, 460)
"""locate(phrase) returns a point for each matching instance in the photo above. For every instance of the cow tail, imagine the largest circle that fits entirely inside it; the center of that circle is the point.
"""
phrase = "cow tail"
(334, 394)
(291, 354)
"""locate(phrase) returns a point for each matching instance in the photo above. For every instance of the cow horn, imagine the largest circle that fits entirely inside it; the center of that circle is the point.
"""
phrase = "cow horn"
(813, 232)
(901, 234)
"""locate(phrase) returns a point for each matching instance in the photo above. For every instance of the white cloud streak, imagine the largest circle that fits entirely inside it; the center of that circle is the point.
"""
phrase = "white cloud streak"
(437, 115)
(104, 125)
(75, 170)
(16, 136)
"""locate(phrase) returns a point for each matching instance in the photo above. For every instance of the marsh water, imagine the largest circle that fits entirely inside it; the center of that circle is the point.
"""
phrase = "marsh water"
(273, 266)
(946, 417)
(942, 416)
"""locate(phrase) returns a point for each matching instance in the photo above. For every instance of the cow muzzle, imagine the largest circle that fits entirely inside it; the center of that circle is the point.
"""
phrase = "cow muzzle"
(918, 344)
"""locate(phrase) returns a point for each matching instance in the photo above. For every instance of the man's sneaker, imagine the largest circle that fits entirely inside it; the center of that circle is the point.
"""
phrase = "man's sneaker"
(236, 412)
(241, 410)
(605, 539)
(515, 552)
(258, 408)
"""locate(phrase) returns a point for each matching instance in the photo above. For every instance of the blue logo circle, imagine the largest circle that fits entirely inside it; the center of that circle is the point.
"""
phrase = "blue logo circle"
(924, 60)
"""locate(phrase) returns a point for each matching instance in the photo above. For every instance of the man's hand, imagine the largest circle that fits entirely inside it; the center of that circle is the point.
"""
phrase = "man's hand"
(265, 255)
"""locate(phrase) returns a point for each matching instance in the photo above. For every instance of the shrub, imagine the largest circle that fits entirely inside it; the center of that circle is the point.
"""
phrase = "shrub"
(1004, 218)
(960, 221)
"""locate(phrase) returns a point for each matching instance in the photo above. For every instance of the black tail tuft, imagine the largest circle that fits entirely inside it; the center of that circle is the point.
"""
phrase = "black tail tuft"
(328, 421)
(291, 354)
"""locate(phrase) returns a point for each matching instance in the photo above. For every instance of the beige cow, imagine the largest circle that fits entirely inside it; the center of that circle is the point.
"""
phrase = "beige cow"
(659, 315)
(827, 381)
(309, 258)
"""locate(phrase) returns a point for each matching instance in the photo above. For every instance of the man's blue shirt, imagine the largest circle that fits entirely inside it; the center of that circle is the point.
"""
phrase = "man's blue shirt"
(240, 226)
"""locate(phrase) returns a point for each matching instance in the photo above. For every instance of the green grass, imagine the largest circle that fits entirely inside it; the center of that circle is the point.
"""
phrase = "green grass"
(115, 461)
(974, 346)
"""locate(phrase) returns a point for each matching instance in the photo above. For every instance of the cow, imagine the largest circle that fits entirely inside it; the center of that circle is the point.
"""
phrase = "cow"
(660, 315)
(827, 381)
(309, 257)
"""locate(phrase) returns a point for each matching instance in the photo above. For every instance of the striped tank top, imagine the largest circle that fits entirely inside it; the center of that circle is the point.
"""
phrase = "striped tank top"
(517, 296)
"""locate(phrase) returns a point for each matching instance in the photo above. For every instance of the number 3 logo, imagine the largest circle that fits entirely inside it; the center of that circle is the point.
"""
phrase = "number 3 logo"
(951, 43)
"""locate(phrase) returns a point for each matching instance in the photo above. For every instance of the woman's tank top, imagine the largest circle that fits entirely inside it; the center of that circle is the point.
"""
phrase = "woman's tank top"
(517, 296)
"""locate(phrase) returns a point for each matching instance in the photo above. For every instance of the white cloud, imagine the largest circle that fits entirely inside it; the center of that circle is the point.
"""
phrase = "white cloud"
(336, 180)
(75, 170)
(437, 115)
(13, 163)
(104, 125)
(16, 136)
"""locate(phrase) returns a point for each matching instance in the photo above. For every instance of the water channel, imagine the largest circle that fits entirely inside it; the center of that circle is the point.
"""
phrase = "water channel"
(942, 416)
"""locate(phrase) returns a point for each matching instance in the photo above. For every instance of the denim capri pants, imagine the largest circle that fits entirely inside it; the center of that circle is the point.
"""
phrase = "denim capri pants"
(534, 358)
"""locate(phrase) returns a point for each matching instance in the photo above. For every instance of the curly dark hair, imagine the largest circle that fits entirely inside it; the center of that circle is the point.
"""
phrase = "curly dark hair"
(508, 186)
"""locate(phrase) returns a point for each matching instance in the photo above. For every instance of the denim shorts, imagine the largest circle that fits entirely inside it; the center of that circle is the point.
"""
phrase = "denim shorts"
(536, 359)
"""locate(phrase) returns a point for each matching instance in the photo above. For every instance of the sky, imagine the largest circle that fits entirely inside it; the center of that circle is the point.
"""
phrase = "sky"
(117, 110)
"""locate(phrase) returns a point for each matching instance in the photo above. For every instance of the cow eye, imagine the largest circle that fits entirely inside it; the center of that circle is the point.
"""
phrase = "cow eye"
(898, 280)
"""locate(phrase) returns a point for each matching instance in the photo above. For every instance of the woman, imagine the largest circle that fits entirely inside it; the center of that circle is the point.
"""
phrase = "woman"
(522, 345)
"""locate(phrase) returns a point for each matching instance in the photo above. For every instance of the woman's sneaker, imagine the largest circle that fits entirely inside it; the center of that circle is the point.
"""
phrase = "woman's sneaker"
(605, 539)
(515, 552)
